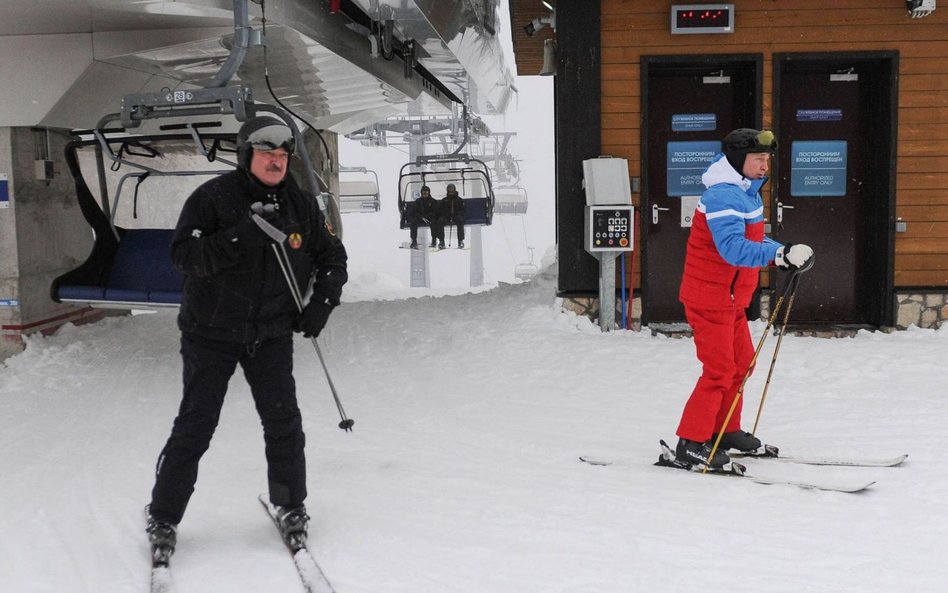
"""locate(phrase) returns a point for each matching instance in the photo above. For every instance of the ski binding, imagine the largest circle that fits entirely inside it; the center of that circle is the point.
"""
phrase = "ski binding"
(311, 575)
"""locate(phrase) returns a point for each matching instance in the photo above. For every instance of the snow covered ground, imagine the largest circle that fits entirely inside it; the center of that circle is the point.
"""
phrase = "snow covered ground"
(461, 474)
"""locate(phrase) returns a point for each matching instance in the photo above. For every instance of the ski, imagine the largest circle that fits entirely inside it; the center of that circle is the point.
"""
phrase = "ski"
(667, 459)
(312, 577)
(769, 452)
(161, 581)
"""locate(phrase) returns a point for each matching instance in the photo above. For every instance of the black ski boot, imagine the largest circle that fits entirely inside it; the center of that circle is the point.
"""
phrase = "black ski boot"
(695, 453)
(739, 440)
(414, 245)
(293, 523)
(163, 537)
(460, 244)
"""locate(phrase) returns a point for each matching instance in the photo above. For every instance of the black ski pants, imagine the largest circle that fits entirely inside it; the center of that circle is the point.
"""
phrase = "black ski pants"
(208, 367)
(458, 221)
(437, 230)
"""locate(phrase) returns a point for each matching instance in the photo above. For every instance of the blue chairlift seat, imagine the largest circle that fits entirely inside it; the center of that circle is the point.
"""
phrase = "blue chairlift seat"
(127, 268)
(141, 274)
(475, 212)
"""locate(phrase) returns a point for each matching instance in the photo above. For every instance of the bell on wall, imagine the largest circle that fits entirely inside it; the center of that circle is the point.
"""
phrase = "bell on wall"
(549, 58)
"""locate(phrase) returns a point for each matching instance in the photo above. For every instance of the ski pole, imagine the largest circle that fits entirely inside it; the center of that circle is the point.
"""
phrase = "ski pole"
(451, 230)
(750, 367)
(283, 260)
(795, 282)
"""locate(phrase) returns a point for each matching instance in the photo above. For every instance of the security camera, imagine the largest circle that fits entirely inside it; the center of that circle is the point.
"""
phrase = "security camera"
(920, 8)
(538, 23)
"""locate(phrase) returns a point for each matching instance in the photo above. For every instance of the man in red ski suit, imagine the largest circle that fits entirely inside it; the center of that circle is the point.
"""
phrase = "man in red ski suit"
(726, 249)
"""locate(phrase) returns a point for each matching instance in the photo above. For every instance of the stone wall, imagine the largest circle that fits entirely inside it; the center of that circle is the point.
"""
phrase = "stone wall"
(926, 310)
(589, 307)
(922, 309)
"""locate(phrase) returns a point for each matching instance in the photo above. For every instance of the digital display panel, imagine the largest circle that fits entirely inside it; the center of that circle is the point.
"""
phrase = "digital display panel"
(702, 18)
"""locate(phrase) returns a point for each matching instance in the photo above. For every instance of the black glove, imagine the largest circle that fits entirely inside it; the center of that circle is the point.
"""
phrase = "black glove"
(313, 318)
(328, 285)
(792, 257)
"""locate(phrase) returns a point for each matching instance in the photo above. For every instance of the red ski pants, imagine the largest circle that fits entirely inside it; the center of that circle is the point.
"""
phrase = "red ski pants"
(722, 339)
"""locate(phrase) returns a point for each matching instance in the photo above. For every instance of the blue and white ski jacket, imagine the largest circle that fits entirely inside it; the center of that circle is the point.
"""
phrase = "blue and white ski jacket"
(727, 246)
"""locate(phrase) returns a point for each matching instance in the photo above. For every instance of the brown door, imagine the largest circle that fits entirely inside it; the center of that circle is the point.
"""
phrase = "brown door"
(833, 188)
(689, 104)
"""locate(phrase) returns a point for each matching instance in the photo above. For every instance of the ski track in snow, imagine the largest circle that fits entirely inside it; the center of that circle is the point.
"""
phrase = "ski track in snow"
(461, 474)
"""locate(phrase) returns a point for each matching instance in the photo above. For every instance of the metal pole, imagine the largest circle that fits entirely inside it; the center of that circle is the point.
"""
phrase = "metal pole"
(607, 290)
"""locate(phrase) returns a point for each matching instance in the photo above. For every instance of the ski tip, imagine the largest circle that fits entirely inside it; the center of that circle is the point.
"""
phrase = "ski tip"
(850, 489)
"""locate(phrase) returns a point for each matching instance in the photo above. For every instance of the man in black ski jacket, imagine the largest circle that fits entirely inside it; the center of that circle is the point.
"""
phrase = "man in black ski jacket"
(238, 310)
(452, 212)
(425, 211)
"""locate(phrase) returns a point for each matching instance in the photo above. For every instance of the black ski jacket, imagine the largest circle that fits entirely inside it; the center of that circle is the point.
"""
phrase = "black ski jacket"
(452, 208)
(238, 293)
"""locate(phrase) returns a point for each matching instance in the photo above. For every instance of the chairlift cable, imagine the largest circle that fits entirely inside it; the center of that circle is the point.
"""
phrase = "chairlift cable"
(507, 241)
(266, 78)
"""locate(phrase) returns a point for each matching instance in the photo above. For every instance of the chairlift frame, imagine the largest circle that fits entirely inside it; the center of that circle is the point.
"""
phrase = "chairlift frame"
(439, 171)
(517, 206)
(93, 282)
(359, 202)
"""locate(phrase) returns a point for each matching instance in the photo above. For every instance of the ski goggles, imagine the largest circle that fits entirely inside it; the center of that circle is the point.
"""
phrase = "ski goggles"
(272, 137)
(767, 139)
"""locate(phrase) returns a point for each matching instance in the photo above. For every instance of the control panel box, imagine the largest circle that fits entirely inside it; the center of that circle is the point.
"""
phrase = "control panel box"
(609, 228)
(606, 181)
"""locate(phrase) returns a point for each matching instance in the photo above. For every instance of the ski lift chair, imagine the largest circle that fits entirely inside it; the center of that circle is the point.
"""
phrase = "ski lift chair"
(510, 200)
(359, 194)
(131, 268)
(525, 272)
(470, 177)
(128, 268)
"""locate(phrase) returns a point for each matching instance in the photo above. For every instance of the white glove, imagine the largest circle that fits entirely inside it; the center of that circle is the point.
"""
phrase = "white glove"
(792, 257)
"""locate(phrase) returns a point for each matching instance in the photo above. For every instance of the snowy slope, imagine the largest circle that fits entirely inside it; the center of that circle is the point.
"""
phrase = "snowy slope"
(461, 475)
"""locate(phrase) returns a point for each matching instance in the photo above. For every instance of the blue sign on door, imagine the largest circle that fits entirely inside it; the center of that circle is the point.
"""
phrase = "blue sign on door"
(819, 114)
(818, 168)
(686, 161)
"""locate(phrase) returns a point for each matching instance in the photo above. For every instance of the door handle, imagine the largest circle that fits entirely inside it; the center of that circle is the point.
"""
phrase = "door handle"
(655, 211)
(780, 208)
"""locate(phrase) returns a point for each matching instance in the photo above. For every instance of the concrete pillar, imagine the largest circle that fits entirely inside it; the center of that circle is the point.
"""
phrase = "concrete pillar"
(42, 234)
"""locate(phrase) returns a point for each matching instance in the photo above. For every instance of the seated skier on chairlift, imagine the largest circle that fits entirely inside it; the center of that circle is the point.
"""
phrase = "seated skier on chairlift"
(452, 212)
(426, 211)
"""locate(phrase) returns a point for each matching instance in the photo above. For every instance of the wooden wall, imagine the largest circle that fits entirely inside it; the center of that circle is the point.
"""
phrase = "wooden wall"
(633, 28)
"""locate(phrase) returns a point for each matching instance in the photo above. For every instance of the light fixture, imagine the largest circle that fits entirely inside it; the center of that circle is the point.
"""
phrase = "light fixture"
(920, 8)
(549, 58)
(538, 23)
